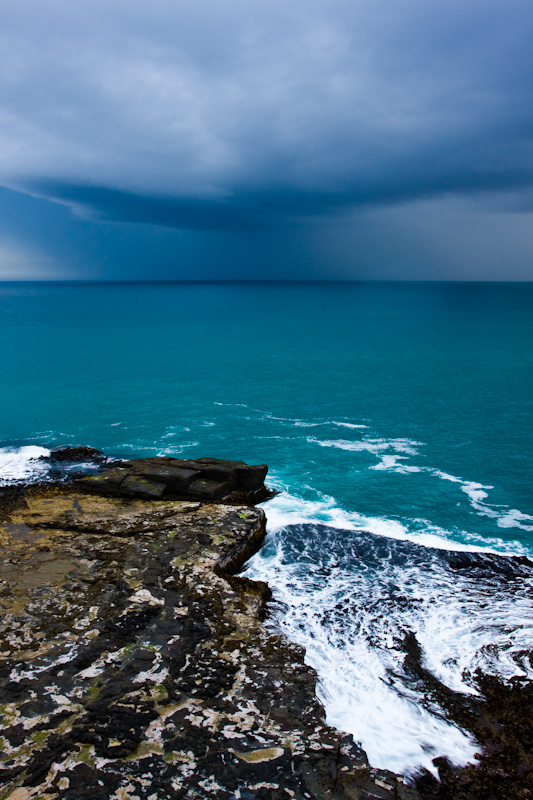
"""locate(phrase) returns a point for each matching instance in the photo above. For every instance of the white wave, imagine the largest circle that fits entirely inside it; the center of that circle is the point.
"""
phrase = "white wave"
(300, 423)
(347, 425)
(297, 422)
(506, 518)
(390, 464)
(176, 449)
(289, 509)
(513, 518)
(22, 463)
(446, 477)
(393, 726)
(375, 446)
(392, 455)
(175, 430)
(425, 533)
(350, 614)
(477, 493)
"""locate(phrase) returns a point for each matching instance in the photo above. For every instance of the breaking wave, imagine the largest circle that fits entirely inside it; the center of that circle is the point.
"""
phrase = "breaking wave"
(350, 590)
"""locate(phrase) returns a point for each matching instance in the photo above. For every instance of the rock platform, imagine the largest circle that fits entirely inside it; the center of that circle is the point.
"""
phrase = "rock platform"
(205, 479)
(134, 661)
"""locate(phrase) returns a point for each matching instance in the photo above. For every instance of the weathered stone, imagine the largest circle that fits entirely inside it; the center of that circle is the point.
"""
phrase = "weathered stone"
(134, 663)
(205, 478)
(176, 479)
(251, 476)
(107, 483)
(222, 472)
(139, 486)
(209, 490)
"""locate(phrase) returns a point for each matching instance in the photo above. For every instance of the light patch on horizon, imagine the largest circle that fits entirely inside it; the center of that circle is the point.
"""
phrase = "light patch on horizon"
(19, 263)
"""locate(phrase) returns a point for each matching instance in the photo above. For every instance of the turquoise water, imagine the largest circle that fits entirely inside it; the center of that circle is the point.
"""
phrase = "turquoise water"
(141, 368)
(404, 410)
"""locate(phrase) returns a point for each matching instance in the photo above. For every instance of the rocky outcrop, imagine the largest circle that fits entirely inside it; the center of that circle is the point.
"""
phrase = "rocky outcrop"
(204, 479)
(134, 663)
(75, 455)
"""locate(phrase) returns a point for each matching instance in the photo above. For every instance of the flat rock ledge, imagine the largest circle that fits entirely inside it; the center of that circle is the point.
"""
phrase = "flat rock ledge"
(160, 477)
(134, 663)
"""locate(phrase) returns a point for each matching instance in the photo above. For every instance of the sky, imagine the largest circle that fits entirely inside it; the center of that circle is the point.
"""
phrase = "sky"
(246, 139)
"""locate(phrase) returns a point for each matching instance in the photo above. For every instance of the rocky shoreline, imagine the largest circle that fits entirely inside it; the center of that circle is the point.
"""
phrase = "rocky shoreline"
(135, 663)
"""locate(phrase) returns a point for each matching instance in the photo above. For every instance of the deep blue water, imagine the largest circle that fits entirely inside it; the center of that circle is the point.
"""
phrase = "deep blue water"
(401, 409)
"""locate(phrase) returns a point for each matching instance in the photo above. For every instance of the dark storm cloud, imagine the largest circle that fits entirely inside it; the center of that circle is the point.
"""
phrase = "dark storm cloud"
(238, 115)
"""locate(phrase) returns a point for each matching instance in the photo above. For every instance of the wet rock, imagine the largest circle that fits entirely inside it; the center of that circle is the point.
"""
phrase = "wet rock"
(134, 662)
(139, 486)
(107, 483)
(501, 720)
(220, 472)
(251, 477)
(176, 479)
(76, 454)
(209, 490)
(205, 479)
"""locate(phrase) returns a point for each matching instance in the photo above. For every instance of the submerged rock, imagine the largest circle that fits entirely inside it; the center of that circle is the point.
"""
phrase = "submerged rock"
(134, 663)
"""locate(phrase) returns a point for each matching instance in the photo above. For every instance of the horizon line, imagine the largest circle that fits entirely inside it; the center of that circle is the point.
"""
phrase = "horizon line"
(167, 281)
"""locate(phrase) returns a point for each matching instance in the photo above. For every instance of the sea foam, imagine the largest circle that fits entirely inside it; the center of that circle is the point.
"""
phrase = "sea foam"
(350, 596)
(22, 463)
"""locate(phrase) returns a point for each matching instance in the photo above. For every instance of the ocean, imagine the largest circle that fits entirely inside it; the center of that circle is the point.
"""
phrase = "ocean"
(396, 419)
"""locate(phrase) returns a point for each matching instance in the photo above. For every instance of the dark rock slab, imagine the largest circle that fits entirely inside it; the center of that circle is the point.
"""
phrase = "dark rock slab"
(251, 476)
(221, 472)
(139, 486)
(206, 479)
(176, 479)
(107, 483)
(211, 490)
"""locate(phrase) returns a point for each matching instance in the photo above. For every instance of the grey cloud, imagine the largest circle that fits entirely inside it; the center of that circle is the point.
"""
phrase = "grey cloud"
(446, 238)
(239, 116)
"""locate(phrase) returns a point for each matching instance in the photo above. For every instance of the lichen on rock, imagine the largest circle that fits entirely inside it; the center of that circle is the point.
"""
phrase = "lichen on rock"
(134, 662)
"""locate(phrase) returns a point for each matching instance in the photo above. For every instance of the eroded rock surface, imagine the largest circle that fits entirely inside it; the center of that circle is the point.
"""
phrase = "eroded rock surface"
(205, 479)
(134, 664)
